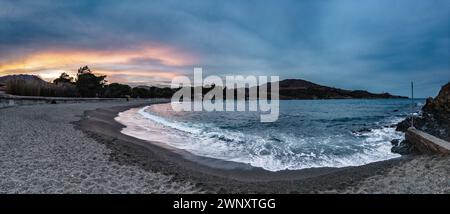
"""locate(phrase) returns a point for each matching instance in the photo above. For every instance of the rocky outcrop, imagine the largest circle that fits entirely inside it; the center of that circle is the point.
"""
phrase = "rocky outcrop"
(440, 106)
(434, 119)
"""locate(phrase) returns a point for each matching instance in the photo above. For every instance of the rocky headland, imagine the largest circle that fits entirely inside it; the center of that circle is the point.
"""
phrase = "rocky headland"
(298, 89)
(434, 119)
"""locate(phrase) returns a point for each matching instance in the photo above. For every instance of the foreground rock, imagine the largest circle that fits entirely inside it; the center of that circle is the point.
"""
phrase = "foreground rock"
(402, 148)
(434, 120)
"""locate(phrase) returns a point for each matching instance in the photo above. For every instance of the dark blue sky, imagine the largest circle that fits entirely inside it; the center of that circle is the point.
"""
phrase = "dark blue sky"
(362, 44)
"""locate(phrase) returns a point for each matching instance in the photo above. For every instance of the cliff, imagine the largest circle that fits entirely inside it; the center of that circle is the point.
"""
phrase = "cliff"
(434, 120)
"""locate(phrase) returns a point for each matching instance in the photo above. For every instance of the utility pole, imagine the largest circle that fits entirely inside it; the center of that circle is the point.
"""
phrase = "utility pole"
(412, 104)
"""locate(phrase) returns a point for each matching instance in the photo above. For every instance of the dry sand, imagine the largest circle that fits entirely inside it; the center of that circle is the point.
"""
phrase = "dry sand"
(42, 152)
(420, 175)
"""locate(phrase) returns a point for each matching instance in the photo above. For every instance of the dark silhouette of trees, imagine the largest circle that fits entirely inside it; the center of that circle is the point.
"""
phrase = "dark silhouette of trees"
(152, 92)
(63, 78)
(139, 92)
(88, 84)
(84, 70)
(117, 90)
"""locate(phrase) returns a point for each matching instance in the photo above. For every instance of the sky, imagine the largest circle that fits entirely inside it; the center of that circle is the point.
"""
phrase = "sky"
(380, 46)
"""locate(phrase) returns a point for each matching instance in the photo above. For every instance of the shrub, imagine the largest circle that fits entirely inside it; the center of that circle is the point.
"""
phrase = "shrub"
(39, 88)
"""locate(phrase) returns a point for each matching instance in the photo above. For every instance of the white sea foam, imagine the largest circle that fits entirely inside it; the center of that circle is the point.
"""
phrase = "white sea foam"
(165, 122)
(232, 145)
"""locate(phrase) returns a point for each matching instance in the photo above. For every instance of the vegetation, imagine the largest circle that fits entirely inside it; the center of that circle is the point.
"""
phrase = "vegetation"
(150, 92)
(39, 88)
(64, 78)
(140, 92)
(86, 84)
(117, 90)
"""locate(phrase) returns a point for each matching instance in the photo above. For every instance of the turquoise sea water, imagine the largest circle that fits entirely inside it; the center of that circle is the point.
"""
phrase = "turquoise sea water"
(308, 133)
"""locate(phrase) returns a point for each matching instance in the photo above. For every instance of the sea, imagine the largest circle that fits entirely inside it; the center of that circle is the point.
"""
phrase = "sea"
(307, 134)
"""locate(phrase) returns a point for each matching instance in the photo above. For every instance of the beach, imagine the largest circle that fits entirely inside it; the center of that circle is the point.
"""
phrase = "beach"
(78, 148)
(42, 152)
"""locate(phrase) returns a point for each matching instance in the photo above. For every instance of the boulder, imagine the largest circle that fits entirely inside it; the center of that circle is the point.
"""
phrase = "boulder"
(403, 148)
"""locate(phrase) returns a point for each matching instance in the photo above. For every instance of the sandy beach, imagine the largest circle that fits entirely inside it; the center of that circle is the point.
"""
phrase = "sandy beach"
(78, 148)
(42, 152)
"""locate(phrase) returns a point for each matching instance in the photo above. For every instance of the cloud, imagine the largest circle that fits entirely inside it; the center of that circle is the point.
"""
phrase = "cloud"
(138, 62)
(373, 45)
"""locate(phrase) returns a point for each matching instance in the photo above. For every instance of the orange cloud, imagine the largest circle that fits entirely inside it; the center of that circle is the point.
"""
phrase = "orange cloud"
(46, 63)
(140, 77)
(146, 73)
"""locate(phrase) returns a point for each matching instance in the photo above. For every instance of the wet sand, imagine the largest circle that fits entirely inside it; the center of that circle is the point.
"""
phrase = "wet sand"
(78, 148)
(219, 176)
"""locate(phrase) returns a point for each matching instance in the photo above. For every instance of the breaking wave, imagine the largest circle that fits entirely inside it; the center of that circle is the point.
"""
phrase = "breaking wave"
(273, 147)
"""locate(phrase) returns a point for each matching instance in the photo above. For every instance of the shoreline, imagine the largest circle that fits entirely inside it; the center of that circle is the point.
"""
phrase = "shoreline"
(78, 148)
(230, 177)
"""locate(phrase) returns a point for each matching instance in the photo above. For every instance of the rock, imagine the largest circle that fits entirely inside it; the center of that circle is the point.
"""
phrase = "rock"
(405, 124)
(363, 130)
(395, 142)
(435, 117)
(264, 152)
(403, 148)
(434, 120)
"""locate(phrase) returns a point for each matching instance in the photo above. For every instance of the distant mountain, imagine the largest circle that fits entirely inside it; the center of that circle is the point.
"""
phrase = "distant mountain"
(26, 77)
(292, 89)
(296, 84)
(143, 86)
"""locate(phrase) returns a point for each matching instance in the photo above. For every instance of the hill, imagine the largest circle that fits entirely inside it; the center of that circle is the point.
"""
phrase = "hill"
(25, 77)
(302, 89)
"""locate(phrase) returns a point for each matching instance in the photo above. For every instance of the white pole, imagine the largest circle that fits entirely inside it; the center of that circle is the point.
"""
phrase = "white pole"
(412, 104)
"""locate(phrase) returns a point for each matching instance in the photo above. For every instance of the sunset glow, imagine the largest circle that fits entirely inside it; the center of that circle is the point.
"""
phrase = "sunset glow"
(147, 61)
(349, 45)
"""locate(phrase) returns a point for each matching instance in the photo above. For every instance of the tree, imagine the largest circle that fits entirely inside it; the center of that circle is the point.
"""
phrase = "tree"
(88, 84)
(84, 70)
(63, 78)
(139, 92)
(117, 90)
